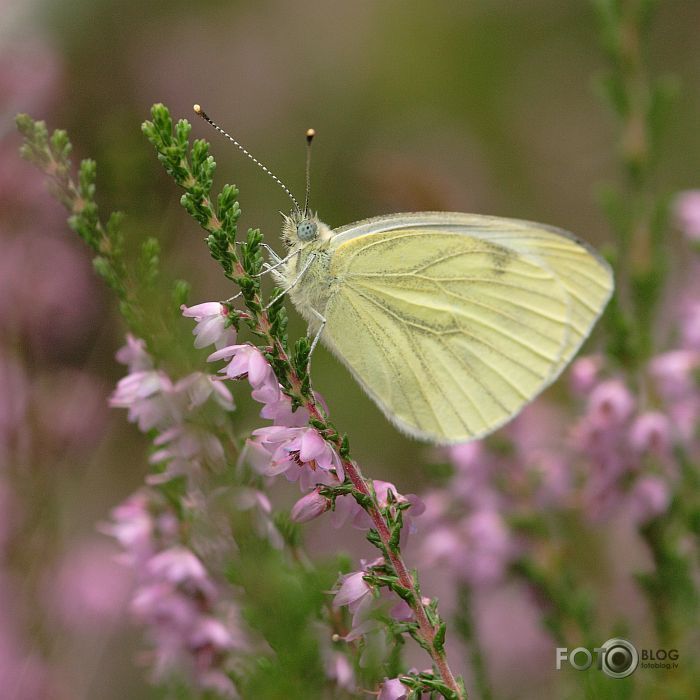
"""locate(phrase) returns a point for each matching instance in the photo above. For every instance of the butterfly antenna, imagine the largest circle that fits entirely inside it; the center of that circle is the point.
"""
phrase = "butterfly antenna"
(198, 110)
(310, 133)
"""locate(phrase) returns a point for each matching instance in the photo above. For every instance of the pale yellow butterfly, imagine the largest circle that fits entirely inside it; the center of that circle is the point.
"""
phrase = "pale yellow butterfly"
(450, 322)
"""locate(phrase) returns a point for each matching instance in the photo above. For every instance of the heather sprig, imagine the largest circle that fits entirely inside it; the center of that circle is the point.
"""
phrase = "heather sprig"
(134, 277)
(51, 153)
(194, 452)
(636, 210)
(192, 169)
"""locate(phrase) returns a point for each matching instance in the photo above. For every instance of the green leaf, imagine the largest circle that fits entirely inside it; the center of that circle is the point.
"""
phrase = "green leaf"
(439, 639)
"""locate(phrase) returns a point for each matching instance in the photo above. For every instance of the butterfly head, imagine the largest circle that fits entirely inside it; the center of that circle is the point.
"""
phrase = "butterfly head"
(302, 227)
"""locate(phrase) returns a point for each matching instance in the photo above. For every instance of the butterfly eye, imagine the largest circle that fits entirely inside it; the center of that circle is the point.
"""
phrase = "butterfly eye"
(307, 230)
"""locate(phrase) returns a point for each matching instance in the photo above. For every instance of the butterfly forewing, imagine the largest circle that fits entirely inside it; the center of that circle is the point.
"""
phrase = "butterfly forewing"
(452, 322)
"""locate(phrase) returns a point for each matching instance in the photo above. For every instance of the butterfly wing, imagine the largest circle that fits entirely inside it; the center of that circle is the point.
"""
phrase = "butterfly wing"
(453, 322)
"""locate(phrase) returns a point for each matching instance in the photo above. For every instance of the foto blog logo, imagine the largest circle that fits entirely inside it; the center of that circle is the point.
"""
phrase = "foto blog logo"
(617, 658)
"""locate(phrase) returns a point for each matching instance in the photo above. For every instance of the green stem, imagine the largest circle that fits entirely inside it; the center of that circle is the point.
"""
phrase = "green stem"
(465, 624)
(426, 629)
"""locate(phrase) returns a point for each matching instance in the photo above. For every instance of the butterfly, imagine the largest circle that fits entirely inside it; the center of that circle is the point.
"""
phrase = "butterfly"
(450, 322)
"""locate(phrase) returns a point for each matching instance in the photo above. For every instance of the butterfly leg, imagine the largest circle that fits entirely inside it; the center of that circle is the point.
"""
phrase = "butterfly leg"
(230, 299)
(275, 258)
(317, 337)
(278, 262)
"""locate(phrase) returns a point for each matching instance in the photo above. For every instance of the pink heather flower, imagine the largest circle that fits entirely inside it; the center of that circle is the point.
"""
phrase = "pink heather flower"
(134, 355)
(610, 403)
(339, 668)
(148, 396)
(256, 456)
(279, 411)
(160, 604)
(300, 454)
(364, 602)
(185, 448)
(393, 689)
(584, 373)
(475, 465)
(179, 566)
(553, 474)
(212, 634)
(491, 545)
(248, 499)
(220, 683)
(478, 548)
(199, 387)
(133, 527)
(353, 591)
(598, 441)
(347, 508)
(673, 372)
(466, 455)
(244, 360)
(687, 213)
(268, 392)
(649, 498)
(176, 598)
(310, 506)
(153, 401)
(211, 328)
(383, 489)
(650, 432)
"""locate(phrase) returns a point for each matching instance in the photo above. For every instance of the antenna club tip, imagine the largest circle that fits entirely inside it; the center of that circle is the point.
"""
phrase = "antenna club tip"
(310, 133)
(197, 108)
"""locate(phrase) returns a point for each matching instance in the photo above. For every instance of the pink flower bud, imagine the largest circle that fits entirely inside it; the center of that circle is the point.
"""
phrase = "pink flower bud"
(353, 590)
(690, 325)
(584, 373)
(687, 213)
(650, 432)
(650, 497)
(673, 372)
(309, 507)
(610, 403)
(393, 689)
(211, 328)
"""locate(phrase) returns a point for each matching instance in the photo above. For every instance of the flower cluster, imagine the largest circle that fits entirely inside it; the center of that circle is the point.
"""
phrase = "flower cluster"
(625, 450)
(193, 629)
(465, 527)
(155, 402)
(293, 448)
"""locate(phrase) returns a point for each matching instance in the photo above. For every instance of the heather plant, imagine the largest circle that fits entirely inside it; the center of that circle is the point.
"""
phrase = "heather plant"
(198, 454)
(231, 600)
